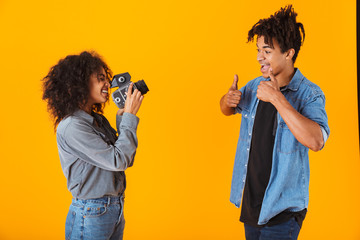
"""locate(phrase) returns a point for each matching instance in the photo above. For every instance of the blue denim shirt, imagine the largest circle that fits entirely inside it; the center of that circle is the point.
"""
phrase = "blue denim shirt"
(288, 187)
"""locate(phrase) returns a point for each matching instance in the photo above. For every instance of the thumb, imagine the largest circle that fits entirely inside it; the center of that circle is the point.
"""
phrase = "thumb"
(234, 86)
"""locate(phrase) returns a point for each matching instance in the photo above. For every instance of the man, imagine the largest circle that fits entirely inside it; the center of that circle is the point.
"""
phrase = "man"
(283, 116)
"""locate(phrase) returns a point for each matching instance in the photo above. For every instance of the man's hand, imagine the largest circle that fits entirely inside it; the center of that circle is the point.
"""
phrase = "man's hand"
(133, 100)
(268, 90)
(231, 99)
(233, 96)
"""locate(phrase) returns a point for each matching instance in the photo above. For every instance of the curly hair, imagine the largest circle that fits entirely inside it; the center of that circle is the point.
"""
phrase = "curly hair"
(283, 27)
(66, 86)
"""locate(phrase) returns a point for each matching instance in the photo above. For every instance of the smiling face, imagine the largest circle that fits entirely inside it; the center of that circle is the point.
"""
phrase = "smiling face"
(98, 88)
(272, 57)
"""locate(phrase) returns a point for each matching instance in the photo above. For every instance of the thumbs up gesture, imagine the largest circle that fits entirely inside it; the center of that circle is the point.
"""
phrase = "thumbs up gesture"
(267, 90)
(233, 96)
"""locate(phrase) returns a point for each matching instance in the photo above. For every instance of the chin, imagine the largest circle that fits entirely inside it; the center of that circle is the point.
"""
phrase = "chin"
(266, 75)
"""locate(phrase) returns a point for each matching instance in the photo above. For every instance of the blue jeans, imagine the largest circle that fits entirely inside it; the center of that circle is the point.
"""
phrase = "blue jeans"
(100, 219)
(284, 231)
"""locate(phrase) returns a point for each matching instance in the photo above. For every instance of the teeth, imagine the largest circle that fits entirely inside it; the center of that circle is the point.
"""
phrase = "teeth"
(104, 91)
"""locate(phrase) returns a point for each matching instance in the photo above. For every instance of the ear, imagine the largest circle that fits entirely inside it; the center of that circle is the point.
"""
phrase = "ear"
(290, 53)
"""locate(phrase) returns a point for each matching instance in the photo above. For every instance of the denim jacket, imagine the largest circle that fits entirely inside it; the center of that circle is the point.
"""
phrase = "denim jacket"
(288, 187)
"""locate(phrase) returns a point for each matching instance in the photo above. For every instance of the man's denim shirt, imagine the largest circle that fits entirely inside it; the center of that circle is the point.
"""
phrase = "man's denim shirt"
(288, 187)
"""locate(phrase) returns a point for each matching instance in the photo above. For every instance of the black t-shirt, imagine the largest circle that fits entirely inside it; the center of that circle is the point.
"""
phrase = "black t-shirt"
(259, 169)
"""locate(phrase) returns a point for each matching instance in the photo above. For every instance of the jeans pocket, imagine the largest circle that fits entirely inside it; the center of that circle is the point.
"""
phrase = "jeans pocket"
(94, 210)
(69, 224)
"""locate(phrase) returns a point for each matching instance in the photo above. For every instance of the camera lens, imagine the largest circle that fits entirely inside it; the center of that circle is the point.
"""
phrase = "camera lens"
(141, 86)
(121, 79)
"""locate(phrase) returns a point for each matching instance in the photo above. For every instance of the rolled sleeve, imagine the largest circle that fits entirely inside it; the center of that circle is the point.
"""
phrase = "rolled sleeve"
(314, 110)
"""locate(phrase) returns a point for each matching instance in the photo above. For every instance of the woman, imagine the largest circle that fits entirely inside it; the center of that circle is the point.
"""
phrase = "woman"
(93, 155)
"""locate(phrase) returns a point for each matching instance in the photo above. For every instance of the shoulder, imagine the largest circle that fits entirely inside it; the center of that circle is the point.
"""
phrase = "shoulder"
(303, 86)
(310, 89)
(71, 126)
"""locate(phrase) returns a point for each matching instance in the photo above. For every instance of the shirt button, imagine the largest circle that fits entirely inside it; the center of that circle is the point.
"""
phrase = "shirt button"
(252, 116)
(245, 115)
(245, 165)
(247, 149)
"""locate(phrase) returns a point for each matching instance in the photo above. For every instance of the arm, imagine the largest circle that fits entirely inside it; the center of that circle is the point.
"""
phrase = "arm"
(305, 130)
(81, 141)
(231, 99)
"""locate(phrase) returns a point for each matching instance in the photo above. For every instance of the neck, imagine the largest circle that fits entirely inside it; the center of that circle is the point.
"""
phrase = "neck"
(87, 108)
(285, 77)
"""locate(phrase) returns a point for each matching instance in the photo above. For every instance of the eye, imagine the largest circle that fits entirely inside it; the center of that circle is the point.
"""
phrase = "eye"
(101, 77)
(267, 52)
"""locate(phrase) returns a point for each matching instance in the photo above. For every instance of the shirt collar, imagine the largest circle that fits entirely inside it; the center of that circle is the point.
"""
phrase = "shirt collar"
(295, 81)
(84, 115)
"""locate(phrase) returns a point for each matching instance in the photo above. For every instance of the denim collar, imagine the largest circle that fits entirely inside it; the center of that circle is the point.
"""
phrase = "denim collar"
(85, 116)
(295, 81)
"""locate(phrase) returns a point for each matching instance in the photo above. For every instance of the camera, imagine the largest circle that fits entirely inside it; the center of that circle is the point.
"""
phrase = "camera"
(123, 81)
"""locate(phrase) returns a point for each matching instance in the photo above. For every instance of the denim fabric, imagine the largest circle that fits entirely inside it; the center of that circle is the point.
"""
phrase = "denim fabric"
(288, 187)
(285, 231)
(94, 162)
(95, 219)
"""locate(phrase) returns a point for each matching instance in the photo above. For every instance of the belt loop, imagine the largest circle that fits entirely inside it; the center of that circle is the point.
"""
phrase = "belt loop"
(109, 200)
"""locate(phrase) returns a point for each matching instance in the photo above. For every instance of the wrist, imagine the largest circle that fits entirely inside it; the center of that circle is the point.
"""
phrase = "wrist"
(277, 98)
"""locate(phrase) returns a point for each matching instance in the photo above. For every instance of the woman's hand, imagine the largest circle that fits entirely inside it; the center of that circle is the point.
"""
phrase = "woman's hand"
(133, 100)
(120, 112)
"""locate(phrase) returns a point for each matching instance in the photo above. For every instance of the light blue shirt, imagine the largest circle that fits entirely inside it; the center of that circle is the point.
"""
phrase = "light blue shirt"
(288, 187)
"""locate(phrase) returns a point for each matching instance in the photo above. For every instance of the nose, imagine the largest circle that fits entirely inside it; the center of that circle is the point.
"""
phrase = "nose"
(260, 56)
(107, 83)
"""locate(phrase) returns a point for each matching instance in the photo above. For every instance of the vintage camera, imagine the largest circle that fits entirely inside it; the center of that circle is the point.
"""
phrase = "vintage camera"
(123, 81)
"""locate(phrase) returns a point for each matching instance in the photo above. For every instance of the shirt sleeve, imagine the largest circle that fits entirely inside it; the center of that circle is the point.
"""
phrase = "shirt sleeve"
(118, 121)
(314, 110)
(88, 146)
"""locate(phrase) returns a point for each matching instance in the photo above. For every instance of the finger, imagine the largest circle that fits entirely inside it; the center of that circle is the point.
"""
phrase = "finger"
(138, 95)
(234, 93)
(232, 105)
(130, 89)
(138, 104)
(235, 83)
(141, 99)
(271, 74)
(233, 101)
(134, 94)
(235, 98)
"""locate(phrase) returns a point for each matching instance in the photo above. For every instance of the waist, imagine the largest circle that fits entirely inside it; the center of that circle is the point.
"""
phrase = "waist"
(105, 200)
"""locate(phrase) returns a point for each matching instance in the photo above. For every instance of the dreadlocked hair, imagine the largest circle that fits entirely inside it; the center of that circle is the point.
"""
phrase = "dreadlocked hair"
(282, 27)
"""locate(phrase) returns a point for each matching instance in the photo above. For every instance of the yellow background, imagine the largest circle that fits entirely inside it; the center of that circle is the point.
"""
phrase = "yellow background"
(187, 52)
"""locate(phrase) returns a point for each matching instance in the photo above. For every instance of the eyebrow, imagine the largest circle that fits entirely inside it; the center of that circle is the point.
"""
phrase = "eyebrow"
(266, 46)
